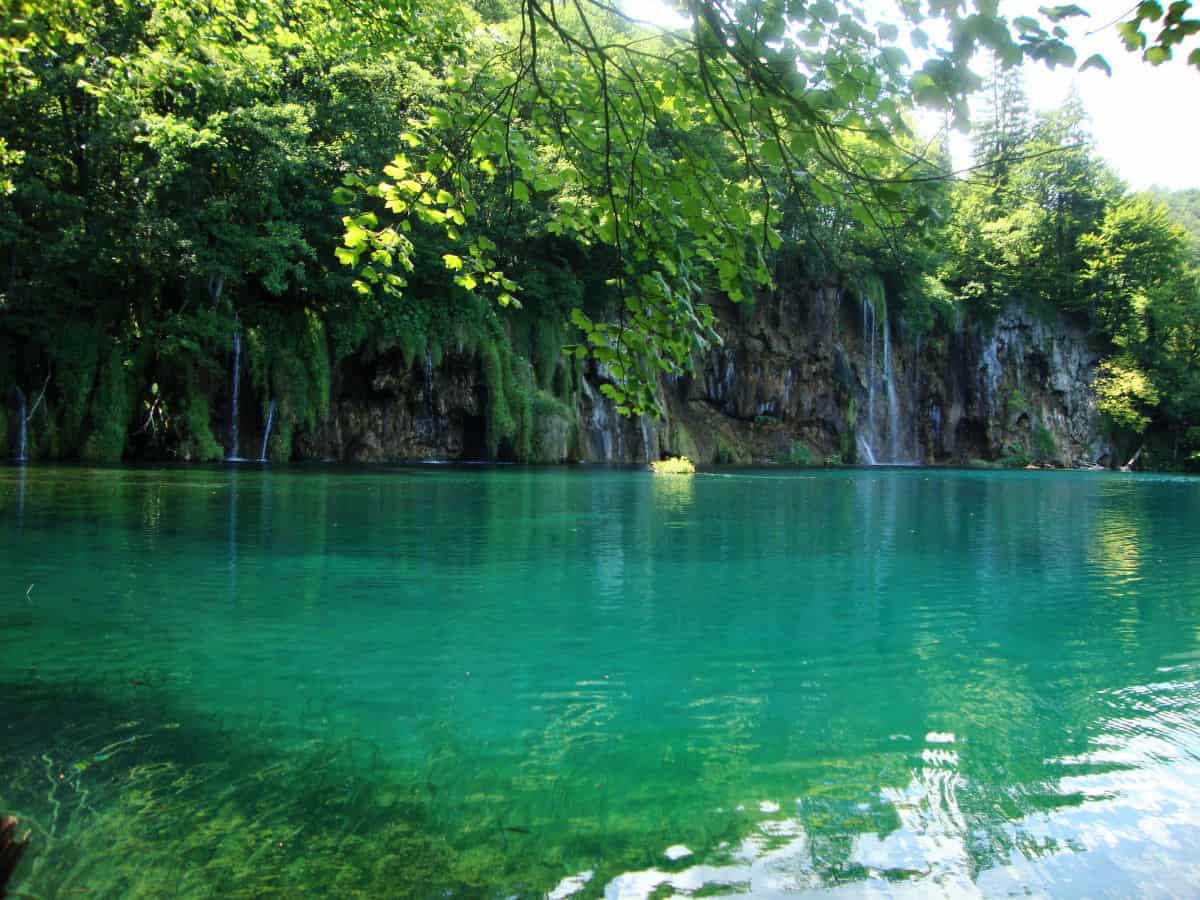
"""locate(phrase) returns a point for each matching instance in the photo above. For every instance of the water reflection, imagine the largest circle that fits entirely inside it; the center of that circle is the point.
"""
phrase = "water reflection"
(859, 681)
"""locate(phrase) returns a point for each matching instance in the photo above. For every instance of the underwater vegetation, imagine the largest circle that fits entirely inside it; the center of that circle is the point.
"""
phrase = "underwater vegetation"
(123, 797)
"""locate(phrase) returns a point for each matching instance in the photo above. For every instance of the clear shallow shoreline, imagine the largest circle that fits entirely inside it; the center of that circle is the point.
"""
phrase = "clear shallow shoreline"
(487, 681)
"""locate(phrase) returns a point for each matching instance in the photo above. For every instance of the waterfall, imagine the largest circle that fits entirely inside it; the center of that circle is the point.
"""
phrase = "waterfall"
(428, 384)
(21, 422)
(262, 453)
(644, 423)
(893, 404)
(601, 424)
(870, 445)
(865, 451)
(866, 438)
(233, 402)
(871, 373)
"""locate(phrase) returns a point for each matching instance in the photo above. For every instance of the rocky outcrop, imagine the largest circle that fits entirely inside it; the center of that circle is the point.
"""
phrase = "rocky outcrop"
(805, 375)
(386, 411)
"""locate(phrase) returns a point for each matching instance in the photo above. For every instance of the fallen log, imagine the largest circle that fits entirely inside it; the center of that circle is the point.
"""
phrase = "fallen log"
(1128, 467)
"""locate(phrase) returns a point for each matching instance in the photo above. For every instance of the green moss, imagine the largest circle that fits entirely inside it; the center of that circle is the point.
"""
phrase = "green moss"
(499, 419)
(111, 410)
(548, 342)
(730, 453)
(682, 442)
(74, 381)
(800, 454)
(200, 444)
(1045, 448)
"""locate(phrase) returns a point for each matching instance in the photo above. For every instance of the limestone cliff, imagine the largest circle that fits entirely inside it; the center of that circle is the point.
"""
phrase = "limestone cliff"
(805, 375)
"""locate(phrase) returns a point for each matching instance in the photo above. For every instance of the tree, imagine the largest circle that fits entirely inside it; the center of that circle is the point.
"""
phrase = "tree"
(1005, 126)
(783, 86)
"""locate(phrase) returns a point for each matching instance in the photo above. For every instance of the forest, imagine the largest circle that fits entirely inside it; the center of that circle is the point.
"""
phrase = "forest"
(541, 188)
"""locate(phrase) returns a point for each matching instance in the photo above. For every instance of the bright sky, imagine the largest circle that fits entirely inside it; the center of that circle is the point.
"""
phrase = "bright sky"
(1145, 119)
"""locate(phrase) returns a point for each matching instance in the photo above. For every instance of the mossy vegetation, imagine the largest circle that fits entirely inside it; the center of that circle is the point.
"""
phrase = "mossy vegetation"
(674, 465)
(128, 795)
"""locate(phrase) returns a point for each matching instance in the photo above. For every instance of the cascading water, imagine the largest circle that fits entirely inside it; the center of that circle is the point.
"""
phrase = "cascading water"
(866, 436)
(233, 401)
(262, 453)
(893, 404)
(429, 384)
(647, 440)
(21, 422)
(869, 441)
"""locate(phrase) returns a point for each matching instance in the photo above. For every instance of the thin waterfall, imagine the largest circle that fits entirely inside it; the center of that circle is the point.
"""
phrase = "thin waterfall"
(644, 423)
(262, 453)
(233, 403)
(871, 376)
(893, 404)
(429, 384)
(21, 422)
(866, 438)
(865, 451)
(873, 448)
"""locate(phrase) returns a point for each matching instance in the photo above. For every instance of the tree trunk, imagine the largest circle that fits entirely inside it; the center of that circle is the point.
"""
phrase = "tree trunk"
(1128, 467)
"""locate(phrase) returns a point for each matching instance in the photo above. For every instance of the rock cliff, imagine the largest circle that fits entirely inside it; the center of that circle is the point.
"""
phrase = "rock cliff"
(803, 376)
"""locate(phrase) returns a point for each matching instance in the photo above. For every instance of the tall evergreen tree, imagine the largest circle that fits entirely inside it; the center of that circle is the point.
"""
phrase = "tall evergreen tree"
(1005, 124)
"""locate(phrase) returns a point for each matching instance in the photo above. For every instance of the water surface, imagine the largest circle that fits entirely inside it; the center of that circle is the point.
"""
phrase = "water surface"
(498, 682)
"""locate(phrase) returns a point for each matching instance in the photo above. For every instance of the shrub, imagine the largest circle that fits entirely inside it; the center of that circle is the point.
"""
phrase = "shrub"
(676, 465)
(800, 454)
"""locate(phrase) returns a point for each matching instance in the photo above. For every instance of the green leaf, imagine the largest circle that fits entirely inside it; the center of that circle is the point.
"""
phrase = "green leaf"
(453, 263)
(1149, 9)
(1058, 13)
(1096, 61)
(354, 237)
(1194, 58)
(343, 196)
(1134, 39)
(520, 191)
(1157, 55)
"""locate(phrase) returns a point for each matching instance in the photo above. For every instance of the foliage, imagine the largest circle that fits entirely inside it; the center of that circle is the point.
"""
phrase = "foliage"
(1125, 393)
(1052, 227)
(1045, 448)
(336, 186)
(800, 454)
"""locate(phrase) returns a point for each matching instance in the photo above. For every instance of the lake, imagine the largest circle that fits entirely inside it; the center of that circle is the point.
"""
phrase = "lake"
(466, 681)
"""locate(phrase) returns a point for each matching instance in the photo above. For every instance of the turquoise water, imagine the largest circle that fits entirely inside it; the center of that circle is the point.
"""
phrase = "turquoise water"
(438, 681)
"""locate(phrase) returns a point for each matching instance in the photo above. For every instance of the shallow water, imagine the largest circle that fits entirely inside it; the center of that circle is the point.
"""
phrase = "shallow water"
(496, 682)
